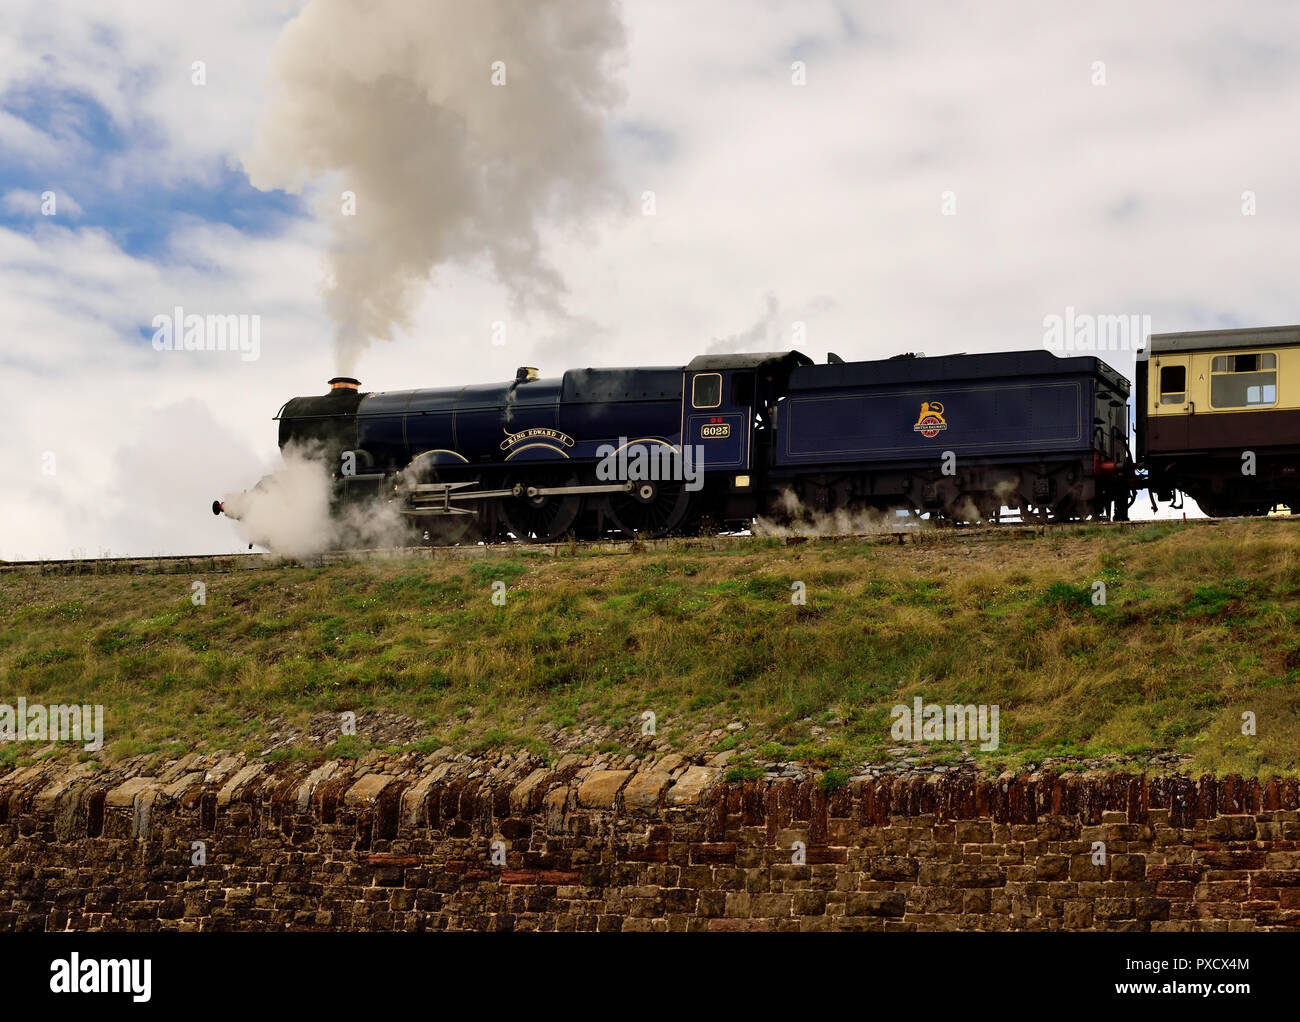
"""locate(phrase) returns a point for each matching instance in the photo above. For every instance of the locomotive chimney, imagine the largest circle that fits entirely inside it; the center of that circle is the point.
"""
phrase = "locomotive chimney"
(344, 383)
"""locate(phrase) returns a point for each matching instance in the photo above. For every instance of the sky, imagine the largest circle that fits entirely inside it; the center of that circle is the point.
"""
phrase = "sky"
(946, 177)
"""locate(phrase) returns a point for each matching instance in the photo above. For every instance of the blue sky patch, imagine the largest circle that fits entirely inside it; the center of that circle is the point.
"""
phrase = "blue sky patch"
(139, 214)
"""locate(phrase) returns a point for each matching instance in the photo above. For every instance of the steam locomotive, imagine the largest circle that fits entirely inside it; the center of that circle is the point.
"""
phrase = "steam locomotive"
(726, 439)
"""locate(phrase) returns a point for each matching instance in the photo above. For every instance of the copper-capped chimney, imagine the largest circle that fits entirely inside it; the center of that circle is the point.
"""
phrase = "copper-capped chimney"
(345, 383)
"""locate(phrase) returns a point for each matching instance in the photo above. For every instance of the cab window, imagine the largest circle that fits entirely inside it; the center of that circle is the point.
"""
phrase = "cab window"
(706, 391)
(1173, 385)
(1243, 381)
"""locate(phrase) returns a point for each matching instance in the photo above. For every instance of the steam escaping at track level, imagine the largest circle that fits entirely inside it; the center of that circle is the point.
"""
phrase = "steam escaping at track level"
(291, 511)
(789, 517)
(452, 130)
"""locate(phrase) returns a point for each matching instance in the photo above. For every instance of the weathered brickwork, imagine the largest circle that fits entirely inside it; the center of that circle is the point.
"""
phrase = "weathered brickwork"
(406, 843)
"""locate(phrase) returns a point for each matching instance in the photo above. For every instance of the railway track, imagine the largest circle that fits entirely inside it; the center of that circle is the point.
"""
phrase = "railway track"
(230, 563)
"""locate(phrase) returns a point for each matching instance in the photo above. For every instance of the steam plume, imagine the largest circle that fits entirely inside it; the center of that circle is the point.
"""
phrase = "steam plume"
(761, 336)
(792, 518)
(288, 511)
(397, 100)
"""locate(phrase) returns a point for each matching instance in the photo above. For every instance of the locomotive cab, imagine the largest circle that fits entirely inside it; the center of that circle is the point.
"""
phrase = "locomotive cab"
(729, 406)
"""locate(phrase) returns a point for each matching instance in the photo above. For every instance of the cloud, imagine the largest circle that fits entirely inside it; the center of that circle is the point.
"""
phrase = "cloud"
(1113, 199)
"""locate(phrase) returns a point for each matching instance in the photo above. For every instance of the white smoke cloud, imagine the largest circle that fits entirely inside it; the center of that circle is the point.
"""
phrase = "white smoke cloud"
(460, 128)
(791, 517)
(289, 513)
(762, 335)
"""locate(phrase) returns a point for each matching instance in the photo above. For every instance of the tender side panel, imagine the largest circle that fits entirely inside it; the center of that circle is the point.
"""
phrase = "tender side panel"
(1004, 405)
(988, 419)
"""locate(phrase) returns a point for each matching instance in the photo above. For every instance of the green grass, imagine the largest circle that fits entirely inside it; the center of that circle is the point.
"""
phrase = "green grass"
(832, 780)
(1198, 626)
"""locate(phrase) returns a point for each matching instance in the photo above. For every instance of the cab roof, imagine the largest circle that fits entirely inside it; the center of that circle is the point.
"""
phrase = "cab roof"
(753, 360)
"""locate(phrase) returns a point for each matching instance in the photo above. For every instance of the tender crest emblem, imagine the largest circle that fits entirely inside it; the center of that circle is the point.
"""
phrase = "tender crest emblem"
(930, 422)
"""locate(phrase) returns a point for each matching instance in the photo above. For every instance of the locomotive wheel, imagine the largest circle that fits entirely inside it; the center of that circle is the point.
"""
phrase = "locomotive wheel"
(905, 514)
(1065, 509)
(1037, 514)
(972, 508)
(1041, 514)
(541, 519)
(1215, 509)
(651, 510)
(1226, 507)
(856, 517)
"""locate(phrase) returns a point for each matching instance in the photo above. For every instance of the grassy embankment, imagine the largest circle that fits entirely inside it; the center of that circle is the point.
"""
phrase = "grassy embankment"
(1199, 626)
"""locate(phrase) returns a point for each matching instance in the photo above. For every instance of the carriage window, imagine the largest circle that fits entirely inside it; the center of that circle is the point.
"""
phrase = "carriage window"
(706, 391)
(1243, 381)
(1173, 385)
(1244, 363)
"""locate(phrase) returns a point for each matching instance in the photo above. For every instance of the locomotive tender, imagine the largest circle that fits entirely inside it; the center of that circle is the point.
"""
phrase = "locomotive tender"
(644, 452)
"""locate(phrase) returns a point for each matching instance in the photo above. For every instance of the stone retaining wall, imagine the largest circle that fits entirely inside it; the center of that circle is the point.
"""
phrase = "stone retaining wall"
(407, 843)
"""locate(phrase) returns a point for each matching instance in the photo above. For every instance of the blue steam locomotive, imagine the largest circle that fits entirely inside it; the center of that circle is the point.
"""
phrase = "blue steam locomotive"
(645, 452)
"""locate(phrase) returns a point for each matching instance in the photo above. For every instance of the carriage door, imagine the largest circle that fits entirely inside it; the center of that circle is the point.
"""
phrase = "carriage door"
(1169, 402)
(718, 416)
